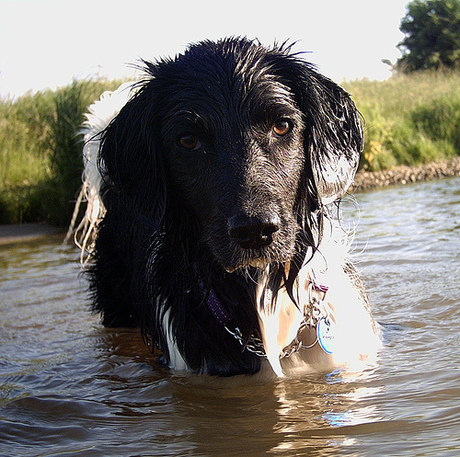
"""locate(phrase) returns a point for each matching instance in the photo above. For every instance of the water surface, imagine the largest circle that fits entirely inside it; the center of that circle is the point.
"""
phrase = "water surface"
(70, 387)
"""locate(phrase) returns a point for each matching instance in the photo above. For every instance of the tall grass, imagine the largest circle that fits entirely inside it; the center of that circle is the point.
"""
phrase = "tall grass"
(40, 152)
(409, 119)
(65, 160)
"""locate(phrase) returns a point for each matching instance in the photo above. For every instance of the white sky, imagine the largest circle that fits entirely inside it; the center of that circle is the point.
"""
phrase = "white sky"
(46, 43)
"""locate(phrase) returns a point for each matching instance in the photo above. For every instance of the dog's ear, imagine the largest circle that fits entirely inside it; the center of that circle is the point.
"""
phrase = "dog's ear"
(333, 134)
(130, 156)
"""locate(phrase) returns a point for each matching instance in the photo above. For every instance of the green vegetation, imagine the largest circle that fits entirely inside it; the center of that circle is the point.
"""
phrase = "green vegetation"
(409, 119)
(432, 36)
(40, 152)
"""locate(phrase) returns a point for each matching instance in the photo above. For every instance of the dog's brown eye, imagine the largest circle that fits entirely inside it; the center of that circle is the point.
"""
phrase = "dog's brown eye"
(189, 142)
(282, 127)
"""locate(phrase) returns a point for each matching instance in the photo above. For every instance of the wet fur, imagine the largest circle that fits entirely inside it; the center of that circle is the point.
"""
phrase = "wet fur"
(163, 243)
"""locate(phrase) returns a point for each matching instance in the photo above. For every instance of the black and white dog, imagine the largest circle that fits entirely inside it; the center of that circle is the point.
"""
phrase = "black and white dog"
(207, 187)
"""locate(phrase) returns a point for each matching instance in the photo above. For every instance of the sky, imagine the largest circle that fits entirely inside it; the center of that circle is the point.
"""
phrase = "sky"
(47, 43)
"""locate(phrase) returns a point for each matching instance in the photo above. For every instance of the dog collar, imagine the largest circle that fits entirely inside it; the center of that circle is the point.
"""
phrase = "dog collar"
(317, 314)
(252, 344)
(218, 311)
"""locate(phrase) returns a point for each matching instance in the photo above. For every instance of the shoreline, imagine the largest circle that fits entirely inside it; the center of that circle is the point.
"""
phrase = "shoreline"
(364, 180)
(20, 233)
(402, 175)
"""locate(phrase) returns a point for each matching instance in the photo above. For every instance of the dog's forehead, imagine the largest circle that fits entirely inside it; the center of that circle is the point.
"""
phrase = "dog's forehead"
(220, 85)
(204, 73)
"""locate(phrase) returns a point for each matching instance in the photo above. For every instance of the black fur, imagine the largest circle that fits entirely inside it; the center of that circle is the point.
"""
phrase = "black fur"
(184, 221)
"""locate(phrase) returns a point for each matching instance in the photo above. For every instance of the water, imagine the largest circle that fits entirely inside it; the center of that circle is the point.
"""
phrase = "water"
(70, 387)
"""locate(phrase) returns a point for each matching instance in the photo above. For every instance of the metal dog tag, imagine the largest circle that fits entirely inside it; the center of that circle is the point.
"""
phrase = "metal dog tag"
(325, 331)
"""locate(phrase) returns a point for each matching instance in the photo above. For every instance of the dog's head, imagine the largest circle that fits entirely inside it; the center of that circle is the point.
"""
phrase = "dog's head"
(247, 140)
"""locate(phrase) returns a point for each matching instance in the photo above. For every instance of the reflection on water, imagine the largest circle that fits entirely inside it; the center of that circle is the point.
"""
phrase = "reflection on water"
(69, 386)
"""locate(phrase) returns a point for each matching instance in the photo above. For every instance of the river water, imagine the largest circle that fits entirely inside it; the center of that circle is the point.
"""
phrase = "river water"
(70, 387)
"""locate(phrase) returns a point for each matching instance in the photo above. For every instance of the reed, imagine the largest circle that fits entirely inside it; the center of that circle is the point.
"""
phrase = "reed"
(40, 152)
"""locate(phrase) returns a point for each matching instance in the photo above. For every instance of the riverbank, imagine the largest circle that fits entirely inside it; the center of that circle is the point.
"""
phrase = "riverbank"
(365, 180)
(19, 233)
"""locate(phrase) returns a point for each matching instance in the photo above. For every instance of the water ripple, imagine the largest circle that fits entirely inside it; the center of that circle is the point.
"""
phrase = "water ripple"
(67, 385)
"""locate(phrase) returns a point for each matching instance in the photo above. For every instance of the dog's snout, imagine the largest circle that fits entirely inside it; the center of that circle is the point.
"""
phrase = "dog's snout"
(253, 232)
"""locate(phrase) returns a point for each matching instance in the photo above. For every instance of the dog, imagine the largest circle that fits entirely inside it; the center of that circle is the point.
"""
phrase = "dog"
(209, 186)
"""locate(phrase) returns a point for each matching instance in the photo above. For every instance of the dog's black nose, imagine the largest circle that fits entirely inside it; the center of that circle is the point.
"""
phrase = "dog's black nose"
(253, 232)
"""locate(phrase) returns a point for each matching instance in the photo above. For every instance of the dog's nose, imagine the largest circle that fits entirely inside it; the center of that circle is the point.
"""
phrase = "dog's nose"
(253, 232)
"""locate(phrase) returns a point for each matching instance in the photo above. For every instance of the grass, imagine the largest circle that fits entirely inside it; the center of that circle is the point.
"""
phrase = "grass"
(40, 152)
(409, 120)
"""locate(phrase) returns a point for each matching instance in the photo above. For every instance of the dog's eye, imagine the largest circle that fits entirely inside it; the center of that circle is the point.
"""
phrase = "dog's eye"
(282, 127)
(189, 142)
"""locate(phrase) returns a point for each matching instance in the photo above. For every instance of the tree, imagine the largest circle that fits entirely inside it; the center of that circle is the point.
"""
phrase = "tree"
(432, 41)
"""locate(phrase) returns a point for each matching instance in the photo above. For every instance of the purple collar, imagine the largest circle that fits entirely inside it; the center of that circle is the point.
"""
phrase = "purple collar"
(217, 309)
